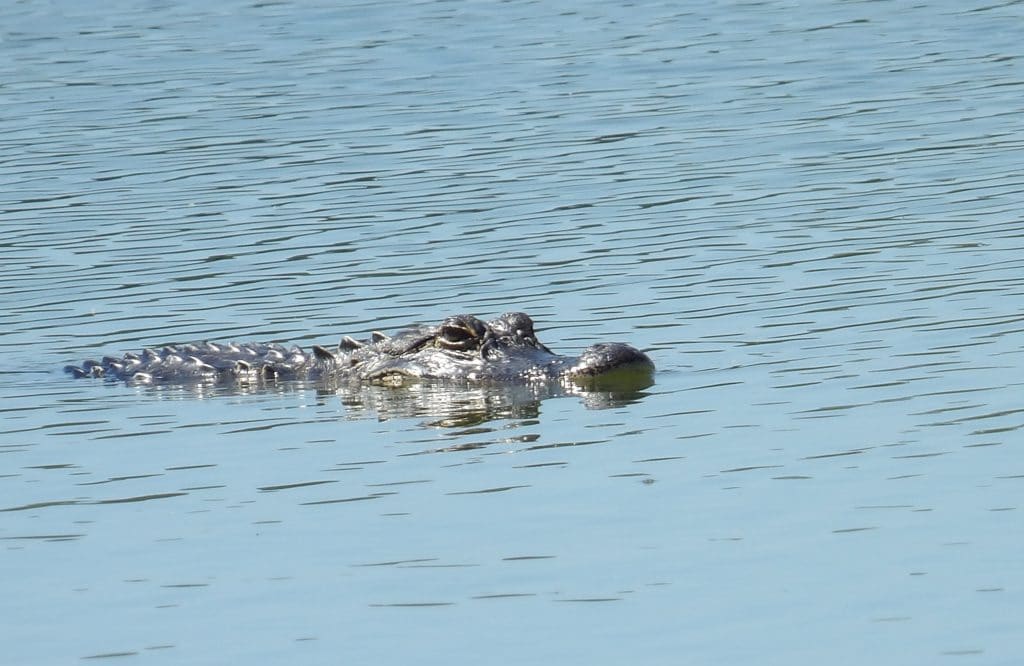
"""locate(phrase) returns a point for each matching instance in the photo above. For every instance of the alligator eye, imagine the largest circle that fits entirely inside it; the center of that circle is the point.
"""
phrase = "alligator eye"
(461, 332)
(456, 337)
(456, 333)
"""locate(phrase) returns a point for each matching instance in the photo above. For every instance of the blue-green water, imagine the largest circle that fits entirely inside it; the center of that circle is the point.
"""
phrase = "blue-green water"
(807, 213)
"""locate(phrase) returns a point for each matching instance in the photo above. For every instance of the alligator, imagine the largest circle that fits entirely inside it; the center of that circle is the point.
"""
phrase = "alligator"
(461, 348)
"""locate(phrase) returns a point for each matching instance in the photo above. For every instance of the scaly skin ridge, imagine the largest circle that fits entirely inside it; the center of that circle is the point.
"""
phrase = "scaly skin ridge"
(461, 348)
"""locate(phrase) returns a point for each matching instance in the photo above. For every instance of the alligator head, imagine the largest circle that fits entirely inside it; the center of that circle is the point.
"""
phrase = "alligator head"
(501, 350)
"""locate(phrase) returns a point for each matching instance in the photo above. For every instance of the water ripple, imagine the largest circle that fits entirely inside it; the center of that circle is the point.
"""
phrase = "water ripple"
(810, 219)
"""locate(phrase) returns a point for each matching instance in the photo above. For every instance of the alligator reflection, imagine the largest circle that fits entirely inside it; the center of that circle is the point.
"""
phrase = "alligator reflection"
(445, 404)
(472, 405)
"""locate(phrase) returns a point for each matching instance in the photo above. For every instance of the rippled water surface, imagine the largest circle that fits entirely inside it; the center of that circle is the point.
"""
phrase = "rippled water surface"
(807, 213)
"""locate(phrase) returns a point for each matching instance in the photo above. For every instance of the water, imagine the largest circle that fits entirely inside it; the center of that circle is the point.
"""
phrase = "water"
(807, 213)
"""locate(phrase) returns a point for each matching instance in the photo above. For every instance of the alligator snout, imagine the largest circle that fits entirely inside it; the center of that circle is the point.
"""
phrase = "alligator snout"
(609, 356)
